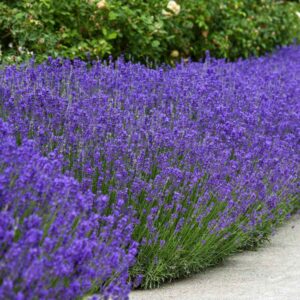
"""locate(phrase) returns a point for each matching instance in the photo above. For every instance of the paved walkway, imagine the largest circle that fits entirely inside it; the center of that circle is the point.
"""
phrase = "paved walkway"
(272, 272)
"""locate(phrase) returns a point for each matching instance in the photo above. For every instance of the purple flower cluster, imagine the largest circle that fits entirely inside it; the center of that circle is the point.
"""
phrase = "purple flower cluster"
(56, 242)
(206, 155)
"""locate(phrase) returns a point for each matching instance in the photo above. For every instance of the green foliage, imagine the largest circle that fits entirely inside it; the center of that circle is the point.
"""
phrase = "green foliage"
(182, 257)
(142, 32)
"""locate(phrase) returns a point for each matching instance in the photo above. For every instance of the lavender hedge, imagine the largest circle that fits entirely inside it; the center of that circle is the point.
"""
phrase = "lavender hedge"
(205, 155)
(51, 243)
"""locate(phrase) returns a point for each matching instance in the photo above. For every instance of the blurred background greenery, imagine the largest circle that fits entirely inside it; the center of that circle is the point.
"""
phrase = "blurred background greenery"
(151, 31)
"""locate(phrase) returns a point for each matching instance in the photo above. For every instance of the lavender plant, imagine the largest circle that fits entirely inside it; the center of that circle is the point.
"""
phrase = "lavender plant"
(55, 241)
(205, 154)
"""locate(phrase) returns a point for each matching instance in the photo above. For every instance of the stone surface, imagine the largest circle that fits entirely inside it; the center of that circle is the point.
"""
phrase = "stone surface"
(271, 272)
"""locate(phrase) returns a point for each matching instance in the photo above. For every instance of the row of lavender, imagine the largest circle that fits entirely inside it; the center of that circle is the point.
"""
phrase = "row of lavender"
(193, 163)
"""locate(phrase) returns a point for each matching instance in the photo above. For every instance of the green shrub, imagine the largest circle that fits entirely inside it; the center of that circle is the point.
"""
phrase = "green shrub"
(141, 31)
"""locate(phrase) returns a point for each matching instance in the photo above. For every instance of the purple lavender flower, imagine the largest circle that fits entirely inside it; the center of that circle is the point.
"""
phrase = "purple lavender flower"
(51, 244)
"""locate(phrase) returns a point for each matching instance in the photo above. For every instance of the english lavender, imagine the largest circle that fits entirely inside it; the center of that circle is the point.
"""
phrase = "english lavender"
(206, 154)
(56, 242)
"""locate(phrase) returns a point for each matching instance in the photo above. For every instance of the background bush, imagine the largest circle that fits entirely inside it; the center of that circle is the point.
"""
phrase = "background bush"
(139, 30)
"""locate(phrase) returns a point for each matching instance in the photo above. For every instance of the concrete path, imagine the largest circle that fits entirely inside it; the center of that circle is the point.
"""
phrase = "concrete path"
(272, 272)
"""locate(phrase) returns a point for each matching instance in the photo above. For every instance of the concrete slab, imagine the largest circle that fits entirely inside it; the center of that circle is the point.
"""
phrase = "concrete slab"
(271, 272)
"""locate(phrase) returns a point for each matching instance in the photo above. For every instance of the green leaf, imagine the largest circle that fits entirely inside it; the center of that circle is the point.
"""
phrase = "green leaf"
(155, 43)
(112, 35)
(19, 16)
(104, 31)
(112, 16)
